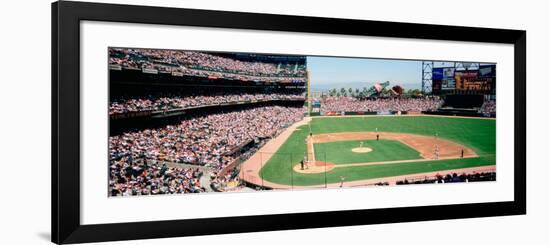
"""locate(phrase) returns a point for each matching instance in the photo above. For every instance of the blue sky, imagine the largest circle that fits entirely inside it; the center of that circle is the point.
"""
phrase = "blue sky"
(336, 72)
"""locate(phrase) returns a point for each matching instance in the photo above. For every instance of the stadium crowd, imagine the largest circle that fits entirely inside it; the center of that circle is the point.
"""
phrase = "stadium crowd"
(206, 140)
(452, 178)
(226, 182)
(169, 101)
(136, 178)
(352, 104)
(489, 107)
(205, 65)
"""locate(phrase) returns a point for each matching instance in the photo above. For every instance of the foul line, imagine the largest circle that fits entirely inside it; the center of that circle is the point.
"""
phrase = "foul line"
(399, 161)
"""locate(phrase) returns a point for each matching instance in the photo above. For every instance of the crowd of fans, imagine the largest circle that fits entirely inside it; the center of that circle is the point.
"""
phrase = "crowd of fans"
(205, 65)
(206, 140)
(169, 101)
(231, 181)
(352, 104)
(135, 178)
(211, 140)
(156, 160)
(452, 178)
(488, 108)
(226, 182)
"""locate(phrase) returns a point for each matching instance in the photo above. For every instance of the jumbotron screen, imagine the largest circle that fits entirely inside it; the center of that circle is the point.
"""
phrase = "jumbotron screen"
(449, 78)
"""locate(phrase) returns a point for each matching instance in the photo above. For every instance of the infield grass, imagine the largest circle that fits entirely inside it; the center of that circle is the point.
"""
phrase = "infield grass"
(340, 152)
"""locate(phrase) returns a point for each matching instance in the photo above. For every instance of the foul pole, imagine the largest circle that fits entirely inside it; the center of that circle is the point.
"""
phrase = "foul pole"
(308, 94)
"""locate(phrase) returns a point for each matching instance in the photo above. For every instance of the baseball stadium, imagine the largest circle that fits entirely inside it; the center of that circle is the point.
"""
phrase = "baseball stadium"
(194, 122)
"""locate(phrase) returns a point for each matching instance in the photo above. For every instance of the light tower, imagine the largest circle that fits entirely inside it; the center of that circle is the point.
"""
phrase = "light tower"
(309, 98)
(427, 67)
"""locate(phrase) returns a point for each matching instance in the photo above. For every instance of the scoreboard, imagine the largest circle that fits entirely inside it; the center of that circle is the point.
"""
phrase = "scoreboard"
(480, 80)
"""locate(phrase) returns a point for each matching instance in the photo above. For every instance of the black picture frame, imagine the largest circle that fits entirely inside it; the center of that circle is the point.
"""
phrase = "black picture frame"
(66, 18)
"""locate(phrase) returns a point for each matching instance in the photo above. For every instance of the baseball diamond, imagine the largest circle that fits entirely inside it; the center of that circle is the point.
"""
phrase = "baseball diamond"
(406, 148)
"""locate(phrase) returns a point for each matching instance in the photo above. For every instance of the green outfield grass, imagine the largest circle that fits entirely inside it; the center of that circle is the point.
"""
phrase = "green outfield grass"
(340, 152)
(478, 134)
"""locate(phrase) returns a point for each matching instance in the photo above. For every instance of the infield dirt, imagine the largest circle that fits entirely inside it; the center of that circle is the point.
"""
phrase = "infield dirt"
(425, 145)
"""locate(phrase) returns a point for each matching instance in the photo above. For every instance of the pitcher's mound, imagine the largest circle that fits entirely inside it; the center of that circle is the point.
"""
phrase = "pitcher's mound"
(314, 168)
(361, 150)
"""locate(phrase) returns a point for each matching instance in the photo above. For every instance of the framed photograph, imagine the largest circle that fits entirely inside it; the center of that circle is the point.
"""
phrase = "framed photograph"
(176, 122)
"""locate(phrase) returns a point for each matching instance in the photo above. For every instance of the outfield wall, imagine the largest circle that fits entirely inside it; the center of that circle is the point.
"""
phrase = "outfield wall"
(443, 112)
(354, 113)
(459, 112)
